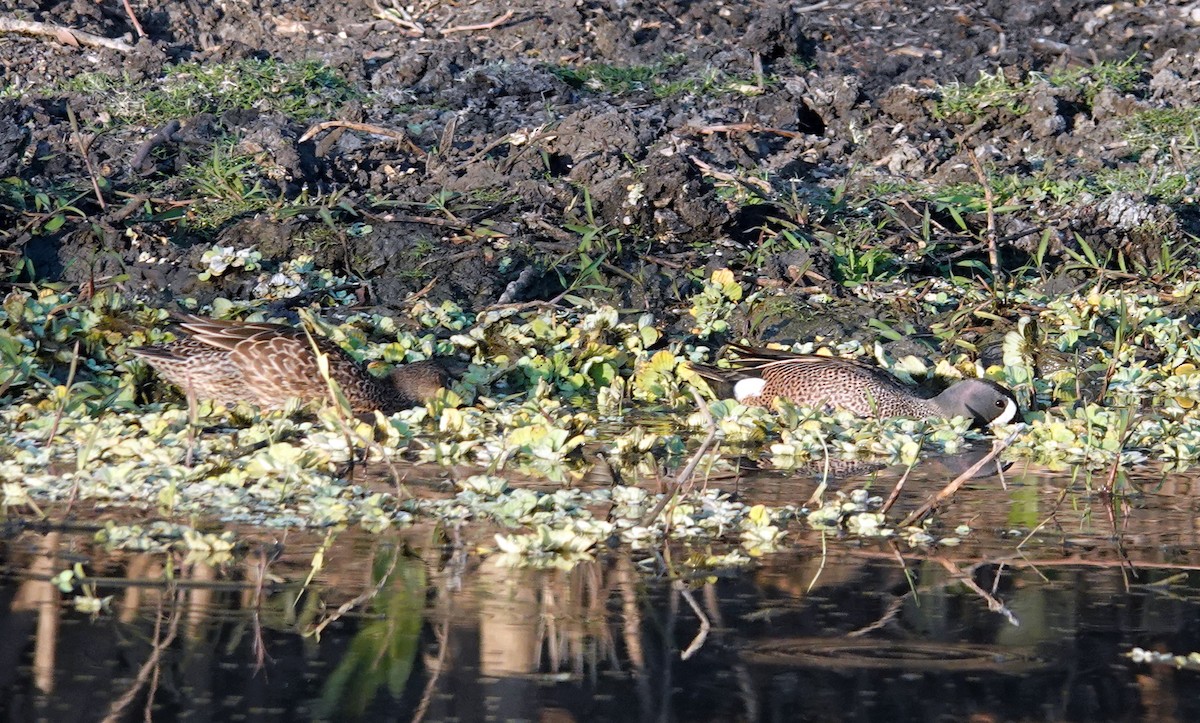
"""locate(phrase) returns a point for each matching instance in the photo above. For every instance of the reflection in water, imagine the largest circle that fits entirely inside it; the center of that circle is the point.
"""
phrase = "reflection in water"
(37, 597)
(416, 626)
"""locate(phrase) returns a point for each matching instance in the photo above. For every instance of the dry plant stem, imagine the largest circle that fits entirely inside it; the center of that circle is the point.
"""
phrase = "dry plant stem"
(549, 304)
(346, 607)
(428, 221)
(443, 636)
(617, 271)
(398, 136)
(746, 128)
(994, 604)
(1062, 495)
(87, 162)
(893, 609)
(681, 479)
(1084, 560)
(74, 494)
(260, 645)
(708, 170)
(162, 136)
(820, 568)
(951, 489)
(1126, 432)
(990, 201)
(131, 207)
(999, 576)
(895, 495)
(151, 666)
(1127, 566)
(482, 26)
(662, 262)
(137, 27)
(702, 633)
(690, 468)
(62, 408)
(815, 497)
(67, 36)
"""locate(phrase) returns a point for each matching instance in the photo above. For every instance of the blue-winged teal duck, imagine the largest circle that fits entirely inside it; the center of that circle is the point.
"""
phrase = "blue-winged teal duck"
(269, 364)
(761, 375)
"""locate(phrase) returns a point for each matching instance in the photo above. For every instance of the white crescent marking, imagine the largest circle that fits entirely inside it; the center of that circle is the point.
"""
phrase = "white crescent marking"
(1009, 414)
(749, 387)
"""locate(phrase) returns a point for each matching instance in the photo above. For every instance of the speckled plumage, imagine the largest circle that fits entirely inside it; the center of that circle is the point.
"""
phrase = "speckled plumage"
(269, 364)
(761, 375)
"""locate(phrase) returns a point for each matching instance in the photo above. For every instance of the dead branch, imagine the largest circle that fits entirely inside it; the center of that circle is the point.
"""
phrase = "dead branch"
(951, 489)
(399, 136)
(707, 170)
(690, 468)
(64, 35)
(705, 626)
(994, 604)
(745, 128)
(481, 26)
(137, 27)
(162, 136)
(990, 200)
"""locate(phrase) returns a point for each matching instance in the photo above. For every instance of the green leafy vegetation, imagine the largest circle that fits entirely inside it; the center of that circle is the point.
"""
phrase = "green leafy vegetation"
(1163, 128)
(226, 185)
(997, 90)
(540, 382)
(623, 80)
(300, 90)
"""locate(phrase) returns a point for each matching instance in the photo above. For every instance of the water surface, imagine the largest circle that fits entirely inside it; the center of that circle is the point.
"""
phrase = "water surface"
(1030, 616)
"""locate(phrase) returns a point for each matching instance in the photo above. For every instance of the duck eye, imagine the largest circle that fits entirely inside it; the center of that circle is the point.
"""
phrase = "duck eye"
(999, 403)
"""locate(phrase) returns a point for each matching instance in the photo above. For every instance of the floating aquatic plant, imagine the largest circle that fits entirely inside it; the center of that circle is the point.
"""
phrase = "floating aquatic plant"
(712, 307)
(220, 259)
(855, 511)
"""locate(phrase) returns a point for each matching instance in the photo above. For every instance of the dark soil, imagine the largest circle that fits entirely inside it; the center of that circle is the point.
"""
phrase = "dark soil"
(529, 157)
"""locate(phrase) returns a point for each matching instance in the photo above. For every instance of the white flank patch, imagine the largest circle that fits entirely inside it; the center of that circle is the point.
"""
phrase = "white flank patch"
(1009, 414)
(750, 387)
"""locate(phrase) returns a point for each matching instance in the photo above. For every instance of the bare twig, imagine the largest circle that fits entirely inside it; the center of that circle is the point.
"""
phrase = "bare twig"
(690, 468)
(518, 285)
(133, 19)
(893, 609)
(399, 136)
(895, 495)
(83, 152)
(161, 136)
(990, 200)
(64, 35)
(315, 631)
(951, 489)
(481, 26)
(702, 633)
(131, 207)
(746, 128)
(994, 604)
(150, 668)
(443, 637)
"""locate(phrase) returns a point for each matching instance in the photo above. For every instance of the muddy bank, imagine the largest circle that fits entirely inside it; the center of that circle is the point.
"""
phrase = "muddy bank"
(487, 157)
